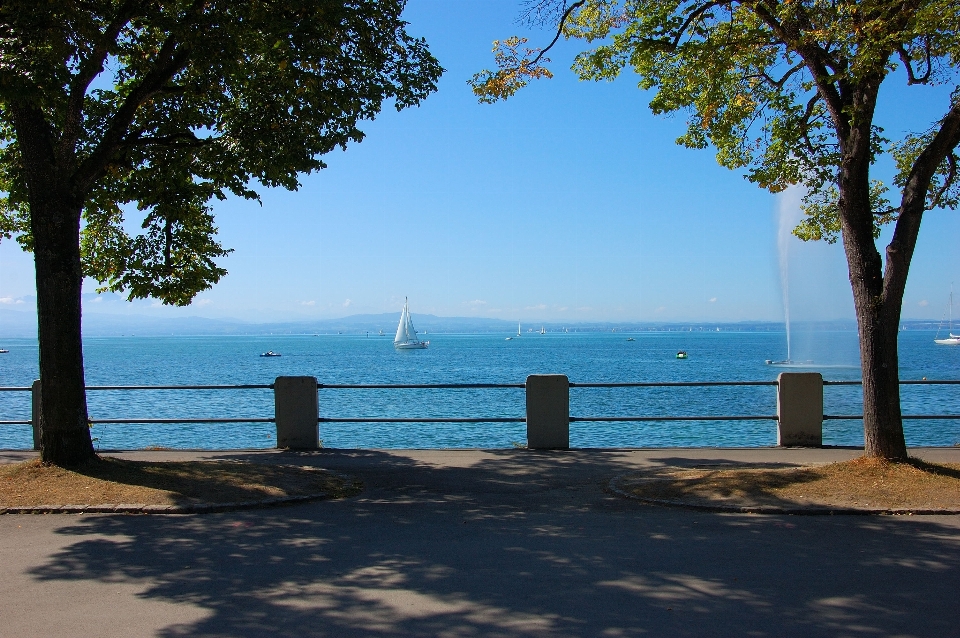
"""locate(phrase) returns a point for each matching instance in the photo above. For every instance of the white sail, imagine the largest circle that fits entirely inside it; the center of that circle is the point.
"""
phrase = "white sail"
(411, 331)
(952, 339)
(406, 338)
(402, 327)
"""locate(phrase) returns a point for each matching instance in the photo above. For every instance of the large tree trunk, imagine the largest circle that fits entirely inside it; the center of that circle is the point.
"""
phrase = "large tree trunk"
(878, 317)
(55, 225)
(64, 426)
(879, 363)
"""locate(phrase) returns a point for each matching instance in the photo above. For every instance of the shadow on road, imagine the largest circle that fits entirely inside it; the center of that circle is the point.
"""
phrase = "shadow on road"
(520, 544)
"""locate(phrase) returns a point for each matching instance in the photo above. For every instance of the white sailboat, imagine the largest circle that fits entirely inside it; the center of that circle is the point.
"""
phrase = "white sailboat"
(542, 331)
(952, 339)
(406, 338)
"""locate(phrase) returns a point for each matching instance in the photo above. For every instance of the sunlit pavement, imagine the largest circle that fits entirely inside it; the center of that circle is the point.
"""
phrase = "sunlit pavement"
(492, 543)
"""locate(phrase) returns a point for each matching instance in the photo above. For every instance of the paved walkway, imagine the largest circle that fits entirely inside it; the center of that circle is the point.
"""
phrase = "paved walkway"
(492, 543)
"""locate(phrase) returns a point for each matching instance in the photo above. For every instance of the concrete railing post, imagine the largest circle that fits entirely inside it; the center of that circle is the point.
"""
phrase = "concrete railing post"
(35, 413)
(297, 410)
(548, 411)
(800, 409)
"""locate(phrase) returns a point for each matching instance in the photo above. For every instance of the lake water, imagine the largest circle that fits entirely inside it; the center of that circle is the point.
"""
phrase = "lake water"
(485, 358)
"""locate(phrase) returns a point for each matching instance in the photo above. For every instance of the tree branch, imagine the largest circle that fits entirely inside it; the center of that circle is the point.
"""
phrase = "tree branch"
(563, 20)
(805, 123)
(185, 139)
(172, 58)
(817, 61)
(947, 183)
(908, 64)
(89, 69)
(671, 45)
(783, 80)
(912, 205)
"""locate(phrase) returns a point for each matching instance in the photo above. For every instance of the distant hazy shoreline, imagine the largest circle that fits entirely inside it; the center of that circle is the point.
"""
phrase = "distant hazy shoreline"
(19, 324)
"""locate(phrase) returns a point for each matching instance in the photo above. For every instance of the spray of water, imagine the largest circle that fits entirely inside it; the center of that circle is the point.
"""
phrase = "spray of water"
(789, 215)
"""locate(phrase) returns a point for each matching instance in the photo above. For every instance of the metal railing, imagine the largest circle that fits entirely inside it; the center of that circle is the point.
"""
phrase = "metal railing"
(673, 384)
(96, 388)
(421, 386)
(463, 386)
(857, 417)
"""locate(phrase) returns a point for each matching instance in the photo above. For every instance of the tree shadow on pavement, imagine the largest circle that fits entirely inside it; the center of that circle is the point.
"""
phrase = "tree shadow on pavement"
(516, 544)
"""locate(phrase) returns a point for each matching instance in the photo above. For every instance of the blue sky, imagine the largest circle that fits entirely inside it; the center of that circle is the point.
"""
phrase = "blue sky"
(569, 202)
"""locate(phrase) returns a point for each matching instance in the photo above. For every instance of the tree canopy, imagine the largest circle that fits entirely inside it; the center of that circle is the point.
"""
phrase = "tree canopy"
(787, 90)
(159, 107)
(770, 85)
(113, 106)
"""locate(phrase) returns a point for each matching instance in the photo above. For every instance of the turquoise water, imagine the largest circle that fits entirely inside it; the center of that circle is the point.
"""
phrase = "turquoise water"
(486, 358)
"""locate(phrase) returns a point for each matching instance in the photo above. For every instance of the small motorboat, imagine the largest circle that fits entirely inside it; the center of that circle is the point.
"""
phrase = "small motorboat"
(630, 339)
(509, 339)
(682, 354)
(271, 353)
(2, 351)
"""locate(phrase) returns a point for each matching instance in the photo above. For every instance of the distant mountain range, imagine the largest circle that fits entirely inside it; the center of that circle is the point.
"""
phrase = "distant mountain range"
(22, 324)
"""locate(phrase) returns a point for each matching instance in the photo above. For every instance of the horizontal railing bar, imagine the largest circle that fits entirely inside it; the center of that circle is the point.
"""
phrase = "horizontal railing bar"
(755, 417)
(16, 422)
(400, 386)
(857, 417)
(255, 386)
(657, 384)
(494, 419)
(410, 386)
(907, 382)
(185, 420)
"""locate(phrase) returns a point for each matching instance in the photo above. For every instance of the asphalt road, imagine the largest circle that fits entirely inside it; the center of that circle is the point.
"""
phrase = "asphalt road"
(483, 543)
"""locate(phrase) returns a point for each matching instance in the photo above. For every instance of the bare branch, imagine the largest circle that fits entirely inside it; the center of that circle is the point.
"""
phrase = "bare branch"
(908, 64)
(563, 20)
(783, 80)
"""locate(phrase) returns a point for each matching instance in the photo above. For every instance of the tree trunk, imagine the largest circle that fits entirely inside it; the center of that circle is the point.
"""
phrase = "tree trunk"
(64, 426)
(880, 368)
(878, 317)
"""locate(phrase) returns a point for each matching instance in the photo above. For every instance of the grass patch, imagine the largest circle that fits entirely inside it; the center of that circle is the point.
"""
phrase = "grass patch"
(859, 484)
(108, 480)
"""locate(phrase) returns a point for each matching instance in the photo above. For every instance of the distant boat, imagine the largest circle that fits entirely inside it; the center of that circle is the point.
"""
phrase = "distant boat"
(509, 339)
(518, 328)
(406, 338)
(2, 351)
(952, 339)
(630, 339)
(271, 353)
(682, 354)
(542, 331)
